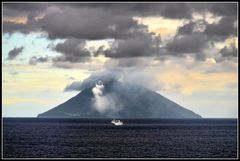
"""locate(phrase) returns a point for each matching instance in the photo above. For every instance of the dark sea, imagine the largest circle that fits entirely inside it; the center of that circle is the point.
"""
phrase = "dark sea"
(137, 138)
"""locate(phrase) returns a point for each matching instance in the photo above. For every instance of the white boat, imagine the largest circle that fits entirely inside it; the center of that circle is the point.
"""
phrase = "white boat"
(117, 122)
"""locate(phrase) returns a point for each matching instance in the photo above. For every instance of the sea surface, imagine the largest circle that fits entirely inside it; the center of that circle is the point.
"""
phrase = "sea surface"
(137, 138)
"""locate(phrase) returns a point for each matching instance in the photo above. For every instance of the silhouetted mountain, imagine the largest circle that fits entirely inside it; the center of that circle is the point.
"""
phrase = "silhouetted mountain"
(129, 101)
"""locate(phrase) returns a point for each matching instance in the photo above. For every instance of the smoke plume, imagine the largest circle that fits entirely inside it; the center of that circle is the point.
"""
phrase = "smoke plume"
(105, 103)
(101, 102)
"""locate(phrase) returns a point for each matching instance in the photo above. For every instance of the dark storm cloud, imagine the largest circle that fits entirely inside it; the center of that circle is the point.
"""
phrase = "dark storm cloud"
(109, 20)
(222, 30)
(218, 9)
(175, 11)
(22, 9)
(25, 6)
(131, 39)
(167, 10)
(100, 21)
(79, 22)
(196, 36)
(11, 27)
(34, 60)
(225, 28)
(88, 24)
(90, 21)
(28, 10)
(224, 9)
(72, 50)
(229, 51)
(192, 27)
(25, 28)
(193, 43)
(12, 54)
(186, 28)
(138, 46)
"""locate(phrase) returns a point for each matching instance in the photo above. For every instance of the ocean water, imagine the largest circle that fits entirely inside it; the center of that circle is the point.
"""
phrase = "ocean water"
(137, 138)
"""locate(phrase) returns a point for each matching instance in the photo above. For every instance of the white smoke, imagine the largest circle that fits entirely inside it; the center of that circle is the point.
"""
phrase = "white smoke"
(104, 103)
(98, 89)
(101, 102)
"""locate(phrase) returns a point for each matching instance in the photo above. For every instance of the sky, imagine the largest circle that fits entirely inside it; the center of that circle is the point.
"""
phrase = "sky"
(185, 51)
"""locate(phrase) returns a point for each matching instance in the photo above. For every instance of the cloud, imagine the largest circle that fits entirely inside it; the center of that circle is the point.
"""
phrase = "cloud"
(175, 10)
(72, 50)
(105, 76)
(218, 9)
(78, 23)
(139, 77)
(22, 9)
(11, 27)
(139, 46)
(95, 21)
(222, 30)
(128, 62)
(12, 54)
(34, 60)
(29, 26)
(193, 43)
(219, 31)
(224, 9)
(200, 39)
(75, 86)
(186, 28)
(192, 27)
(226, 65)
(168, 10)
(27, 11)
(87, 23)
(229, 51)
